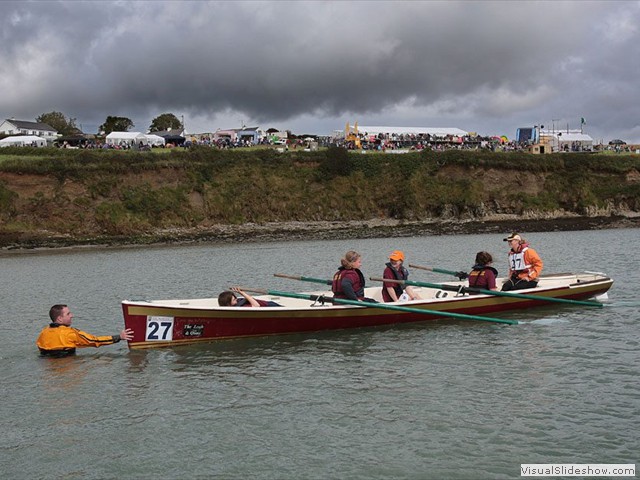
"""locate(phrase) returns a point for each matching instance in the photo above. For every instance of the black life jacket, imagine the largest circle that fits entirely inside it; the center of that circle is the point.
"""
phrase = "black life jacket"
(477, 272)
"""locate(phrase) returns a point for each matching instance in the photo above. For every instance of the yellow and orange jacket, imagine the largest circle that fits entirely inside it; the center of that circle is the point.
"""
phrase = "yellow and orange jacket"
(533, 264)
(60, 340)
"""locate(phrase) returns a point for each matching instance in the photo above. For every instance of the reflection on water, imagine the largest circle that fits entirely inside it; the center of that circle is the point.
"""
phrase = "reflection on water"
(61, 376)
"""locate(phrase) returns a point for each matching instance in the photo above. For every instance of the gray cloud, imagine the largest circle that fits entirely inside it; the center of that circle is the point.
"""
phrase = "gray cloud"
(488, 67)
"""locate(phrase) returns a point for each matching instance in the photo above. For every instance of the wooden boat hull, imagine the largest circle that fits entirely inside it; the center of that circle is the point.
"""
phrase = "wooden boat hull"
(179, 322)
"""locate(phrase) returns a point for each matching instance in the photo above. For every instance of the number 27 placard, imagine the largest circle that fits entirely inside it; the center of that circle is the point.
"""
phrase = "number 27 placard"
(159, 328)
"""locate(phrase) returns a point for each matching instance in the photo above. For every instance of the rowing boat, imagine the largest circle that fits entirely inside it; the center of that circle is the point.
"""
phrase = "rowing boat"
(161, 323)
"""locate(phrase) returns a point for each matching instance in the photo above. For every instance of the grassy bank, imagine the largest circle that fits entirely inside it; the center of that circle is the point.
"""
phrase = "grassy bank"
(96, 193)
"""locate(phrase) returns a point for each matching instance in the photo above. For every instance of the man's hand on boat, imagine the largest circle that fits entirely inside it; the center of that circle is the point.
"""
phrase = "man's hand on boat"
(126, 334)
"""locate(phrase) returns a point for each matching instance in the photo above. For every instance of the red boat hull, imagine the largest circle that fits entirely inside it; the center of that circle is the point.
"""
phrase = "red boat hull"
(158, 324)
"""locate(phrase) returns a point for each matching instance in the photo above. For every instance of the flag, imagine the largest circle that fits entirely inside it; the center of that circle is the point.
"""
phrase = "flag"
(582, 121)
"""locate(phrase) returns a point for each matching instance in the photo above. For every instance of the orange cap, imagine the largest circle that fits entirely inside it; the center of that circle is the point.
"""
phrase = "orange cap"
(396, 255)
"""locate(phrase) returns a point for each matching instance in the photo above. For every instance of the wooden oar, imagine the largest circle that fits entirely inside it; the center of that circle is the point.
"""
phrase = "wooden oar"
(461, 275)
(461, 288)
(304, 279)
(383, 306)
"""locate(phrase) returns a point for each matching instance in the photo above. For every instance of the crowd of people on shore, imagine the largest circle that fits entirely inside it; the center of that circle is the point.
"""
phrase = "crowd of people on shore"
(60, 339)
(392, 142)
(422, 141)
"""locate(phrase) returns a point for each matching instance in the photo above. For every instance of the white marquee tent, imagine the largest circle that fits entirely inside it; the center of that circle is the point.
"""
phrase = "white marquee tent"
(23, 141)
(573, 141)
(155, 140)
(127, 138)
(568, 140)
(574, 137)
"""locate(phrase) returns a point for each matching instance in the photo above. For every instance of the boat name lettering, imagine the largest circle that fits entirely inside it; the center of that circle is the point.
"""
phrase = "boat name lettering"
(193, 330)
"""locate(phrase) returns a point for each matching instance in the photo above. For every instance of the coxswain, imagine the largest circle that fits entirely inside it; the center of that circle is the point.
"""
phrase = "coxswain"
(525, 264)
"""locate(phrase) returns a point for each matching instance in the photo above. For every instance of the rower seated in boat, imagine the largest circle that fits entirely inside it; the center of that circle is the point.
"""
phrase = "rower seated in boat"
(483, 275)
(348, 282)
(395, 270)
(229, 299)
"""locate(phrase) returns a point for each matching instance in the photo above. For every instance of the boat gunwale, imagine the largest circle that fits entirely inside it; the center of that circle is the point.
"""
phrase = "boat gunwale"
(541, 292)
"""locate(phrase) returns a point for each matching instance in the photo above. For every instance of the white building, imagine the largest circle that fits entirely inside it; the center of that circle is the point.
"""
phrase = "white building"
(21, 127)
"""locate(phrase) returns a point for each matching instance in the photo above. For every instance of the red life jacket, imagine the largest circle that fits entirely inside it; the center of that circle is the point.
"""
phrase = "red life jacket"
(357, 281)
(403, 274)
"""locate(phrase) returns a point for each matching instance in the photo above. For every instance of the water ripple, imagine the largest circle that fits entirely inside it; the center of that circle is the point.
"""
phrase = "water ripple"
(425, 401)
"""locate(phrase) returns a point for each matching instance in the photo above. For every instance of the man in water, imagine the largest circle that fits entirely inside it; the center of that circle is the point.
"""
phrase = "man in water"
(59, 339)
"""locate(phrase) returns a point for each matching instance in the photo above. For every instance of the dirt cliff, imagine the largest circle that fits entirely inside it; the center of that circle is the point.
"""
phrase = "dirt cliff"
(282, 198)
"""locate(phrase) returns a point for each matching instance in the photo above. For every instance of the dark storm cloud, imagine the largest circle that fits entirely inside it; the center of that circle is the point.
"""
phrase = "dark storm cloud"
(477, 65)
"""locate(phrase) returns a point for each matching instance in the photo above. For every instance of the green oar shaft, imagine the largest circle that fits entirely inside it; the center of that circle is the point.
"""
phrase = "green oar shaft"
(491, 292)
(304, 279)
(383, 306)
(434, 269)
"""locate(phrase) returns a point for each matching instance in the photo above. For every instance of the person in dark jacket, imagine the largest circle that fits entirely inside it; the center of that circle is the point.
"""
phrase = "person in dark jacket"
(483, 275)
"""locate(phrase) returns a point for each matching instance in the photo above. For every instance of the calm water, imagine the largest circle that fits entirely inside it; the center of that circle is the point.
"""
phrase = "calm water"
(421, 401)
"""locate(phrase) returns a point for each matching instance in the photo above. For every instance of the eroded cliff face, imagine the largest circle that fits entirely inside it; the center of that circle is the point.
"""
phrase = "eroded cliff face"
(505, 190)
(166, 203)
(44, 199)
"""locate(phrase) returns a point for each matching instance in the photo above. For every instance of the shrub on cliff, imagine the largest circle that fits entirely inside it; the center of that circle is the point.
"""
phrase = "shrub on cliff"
(336, 163)
(7, 199)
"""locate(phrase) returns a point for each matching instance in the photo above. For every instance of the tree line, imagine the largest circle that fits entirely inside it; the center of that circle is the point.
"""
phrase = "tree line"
(67, 125)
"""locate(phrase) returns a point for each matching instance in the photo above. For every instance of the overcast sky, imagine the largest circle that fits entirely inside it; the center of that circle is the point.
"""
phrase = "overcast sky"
(311, 67)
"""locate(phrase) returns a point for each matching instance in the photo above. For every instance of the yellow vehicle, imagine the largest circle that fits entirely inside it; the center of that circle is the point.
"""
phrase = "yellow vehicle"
(351, 135)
